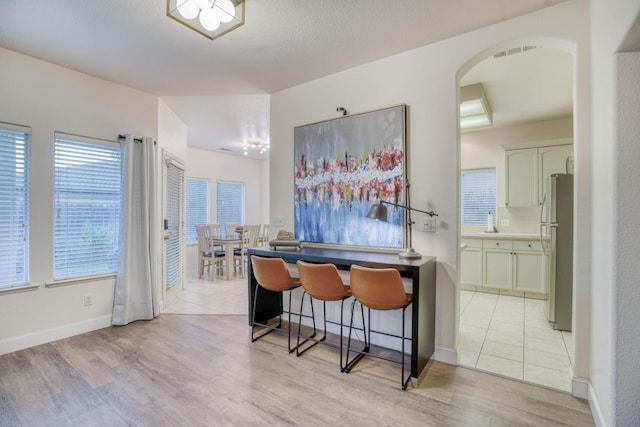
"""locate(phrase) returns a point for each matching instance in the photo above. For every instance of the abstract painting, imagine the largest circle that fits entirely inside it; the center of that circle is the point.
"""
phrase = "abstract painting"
(342, 167)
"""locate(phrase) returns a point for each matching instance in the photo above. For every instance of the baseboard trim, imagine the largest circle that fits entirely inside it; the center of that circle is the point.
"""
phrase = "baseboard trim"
(446, 355)
(596, 410)
(48, 335)
(580, 387)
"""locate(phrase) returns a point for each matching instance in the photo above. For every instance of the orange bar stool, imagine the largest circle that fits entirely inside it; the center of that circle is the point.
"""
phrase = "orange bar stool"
(378, 289)
(272, 274)
(322, 282)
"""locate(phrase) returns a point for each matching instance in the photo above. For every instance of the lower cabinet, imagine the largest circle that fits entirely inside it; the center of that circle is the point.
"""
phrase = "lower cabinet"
(504, 264)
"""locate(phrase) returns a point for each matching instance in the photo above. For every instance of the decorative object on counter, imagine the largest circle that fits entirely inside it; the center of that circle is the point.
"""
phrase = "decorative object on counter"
(379, 212)
(490, 227)
(285, 239)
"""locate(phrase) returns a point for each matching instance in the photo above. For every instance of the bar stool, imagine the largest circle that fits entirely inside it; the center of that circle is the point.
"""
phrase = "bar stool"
(272, 274)
(377, 289)
(322, 282)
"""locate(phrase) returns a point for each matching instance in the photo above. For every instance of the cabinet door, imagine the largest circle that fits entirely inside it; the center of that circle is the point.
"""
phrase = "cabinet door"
(471, 267)
(528, 271)
(551, 160)
(521, 180)
(496, 268)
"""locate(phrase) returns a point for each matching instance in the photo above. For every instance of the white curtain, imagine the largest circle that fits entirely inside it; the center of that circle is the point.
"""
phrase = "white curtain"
(137, 282)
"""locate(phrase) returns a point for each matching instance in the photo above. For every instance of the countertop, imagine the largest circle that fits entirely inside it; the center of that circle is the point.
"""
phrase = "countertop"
(498, 235)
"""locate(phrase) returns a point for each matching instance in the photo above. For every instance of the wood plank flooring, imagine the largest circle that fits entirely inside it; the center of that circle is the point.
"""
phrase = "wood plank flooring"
(203, 370)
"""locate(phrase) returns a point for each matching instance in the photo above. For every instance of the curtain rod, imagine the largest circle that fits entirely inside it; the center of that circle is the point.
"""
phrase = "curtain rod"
(135, 139)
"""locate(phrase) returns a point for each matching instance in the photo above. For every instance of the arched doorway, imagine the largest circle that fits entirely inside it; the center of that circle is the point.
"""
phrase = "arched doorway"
(505, 277)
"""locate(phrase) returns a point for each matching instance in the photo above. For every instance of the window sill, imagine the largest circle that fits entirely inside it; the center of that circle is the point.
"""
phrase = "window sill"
(18, 289)
(79, 280)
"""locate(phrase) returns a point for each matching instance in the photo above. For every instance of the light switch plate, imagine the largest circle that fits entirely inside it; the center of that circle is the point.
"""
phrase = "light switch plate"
(429, 225)
(504, 222)
(278, 221)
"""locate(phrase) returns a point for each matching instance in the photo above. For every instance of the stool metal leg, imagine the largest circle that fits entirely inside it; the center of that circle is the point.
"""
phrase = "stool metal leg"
(348, 365)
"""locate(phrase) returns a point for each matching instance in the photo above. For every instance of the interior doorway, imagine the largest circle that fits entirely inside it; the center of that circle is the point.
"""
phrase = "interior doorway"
(503, 272)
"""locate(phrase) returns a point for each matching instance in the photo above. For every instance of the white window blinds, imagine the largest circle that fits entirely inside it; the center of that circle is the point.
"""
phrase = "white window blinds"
(478, 193)
(198, 206)
(14, 205)
(230, 202)
(87, 196)
(174, 204)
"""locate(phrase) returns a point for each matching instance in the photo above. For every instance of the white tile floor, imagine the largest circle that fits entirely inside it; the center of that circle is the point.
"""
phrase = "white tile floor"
(510, 336)
(206, 296)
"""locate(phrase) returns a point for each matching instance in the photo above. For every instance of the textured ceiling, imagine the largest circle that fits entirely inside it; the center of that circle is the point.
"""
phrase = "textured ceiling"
(282, 44)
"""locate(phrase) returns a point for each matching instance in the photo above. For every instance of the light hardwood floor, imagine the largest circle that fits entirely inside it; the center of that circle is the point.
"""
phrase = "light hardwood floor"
(192, 370)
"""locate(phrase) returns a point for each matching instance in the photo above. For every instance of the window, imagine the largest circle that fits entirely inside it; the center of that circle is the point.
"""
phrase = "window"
(230, 202)
(198, 191)
(14, 205)
(478, 195)
(87, 197)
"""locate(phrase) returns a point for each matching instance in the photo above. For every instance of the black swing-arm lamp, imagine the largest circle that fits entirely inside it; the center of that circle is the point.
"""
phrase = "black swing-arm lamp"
(379, 212)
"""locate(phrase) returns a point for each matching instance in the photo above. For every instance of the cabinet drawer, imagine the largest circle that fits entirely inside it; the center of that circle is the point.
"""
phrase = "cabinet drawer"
(527, 245)
(472, 243)
(496, 244)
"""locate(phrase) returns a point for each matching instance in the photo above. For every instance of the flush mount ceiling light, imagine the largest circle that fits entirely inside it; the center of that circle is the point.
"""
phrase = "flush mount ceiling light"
(475, 110)
(211, 18)
(255, 147)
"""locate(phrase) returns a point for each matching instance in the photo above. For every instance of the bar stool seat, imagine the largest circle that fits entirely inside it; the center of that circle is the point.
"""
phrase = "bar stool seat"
(378, 289)
(272, 275)
(322, 282)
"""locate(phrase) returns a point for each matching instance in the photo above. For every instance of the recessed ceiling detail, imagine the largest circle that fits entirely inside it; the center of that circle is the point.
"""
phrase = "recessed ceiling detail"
(513, 51)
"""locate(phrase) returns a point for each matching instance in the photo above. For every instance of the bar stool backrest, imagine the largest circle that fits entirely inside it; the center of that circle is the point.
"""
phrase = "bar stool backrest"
(272, 273)
(322, 281)
(378, 288)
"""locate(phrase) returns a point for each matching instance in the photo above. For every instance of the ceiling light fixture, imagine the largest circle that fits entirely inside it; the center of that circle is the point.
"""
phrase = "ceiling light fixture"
(211, 18)
(475, 110)
(255, 147)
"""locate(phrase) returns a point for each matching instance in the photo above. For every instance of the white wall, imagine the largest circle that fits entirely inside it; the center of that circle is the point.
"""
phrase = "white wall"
(50, 98)
(615, 392)
(215, 167)
(424, 79)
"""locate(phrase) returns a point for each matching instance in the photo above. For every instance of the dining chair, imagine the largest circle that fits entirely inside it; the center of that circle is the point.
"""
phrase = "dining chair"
(272, 275)
(250, 235)
(265, 232)
(377, 289)
(208, 254)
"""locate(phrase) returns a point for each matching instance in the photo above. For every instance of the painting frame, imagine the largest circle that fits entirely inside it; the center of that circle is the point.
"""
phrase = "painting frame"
(343, 166)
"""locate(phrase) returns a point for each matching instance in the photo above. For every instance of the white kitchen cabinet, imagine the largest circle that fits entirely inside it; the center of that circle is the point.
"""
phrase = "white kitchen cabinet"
(471, 263)
(496, 263)
(529, 267)
(551, 160)
(526, 172)
(521, 178)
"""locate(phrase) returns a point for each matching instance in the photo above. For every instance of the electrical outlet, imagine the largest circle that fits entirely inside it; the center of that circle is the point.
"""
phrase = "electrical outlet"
(88, 300)
(429, 225)
(278, 221)
(504, 222)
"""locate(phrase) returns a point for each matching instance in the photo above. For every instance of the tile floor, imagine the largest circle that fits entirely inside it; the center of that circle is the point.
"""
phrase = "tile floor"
(510, 336)
(206, 296)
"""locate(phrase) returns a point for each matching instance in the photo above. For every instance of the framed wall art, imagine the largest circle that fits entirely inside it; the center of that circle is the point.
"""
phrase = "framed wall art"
(342, 167)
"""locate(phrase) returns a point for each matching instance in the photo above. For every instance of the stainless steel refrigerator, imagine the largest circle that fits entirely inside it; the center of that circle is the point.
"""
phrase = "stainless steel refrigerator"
(556, 233)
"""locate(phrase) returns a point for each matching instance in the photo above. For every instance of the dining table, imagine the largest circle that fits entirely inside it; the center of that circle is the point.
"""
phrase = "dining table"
(228, 243)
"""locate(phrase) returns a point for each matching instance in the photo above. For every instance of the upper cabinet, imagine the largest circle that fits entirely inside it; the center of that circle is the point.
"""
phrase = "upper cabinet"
(526, 172)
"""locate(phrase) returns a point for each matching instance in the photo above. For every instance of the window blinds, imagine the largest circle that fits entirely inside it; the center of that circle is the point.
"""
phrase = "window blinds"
(230, 202)
(87, 196)
(198, 206)
(174, 204)
(478, 195)
(14, 205)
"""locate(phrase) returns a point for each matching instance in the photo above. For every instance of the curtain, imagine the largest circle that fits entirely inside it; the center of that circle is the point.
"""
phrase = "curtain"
(137, 286)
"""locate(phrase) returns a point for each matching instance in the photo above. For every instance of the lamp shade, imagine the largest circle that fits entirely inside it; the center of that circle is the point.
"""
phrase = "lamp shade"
(378, 212)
